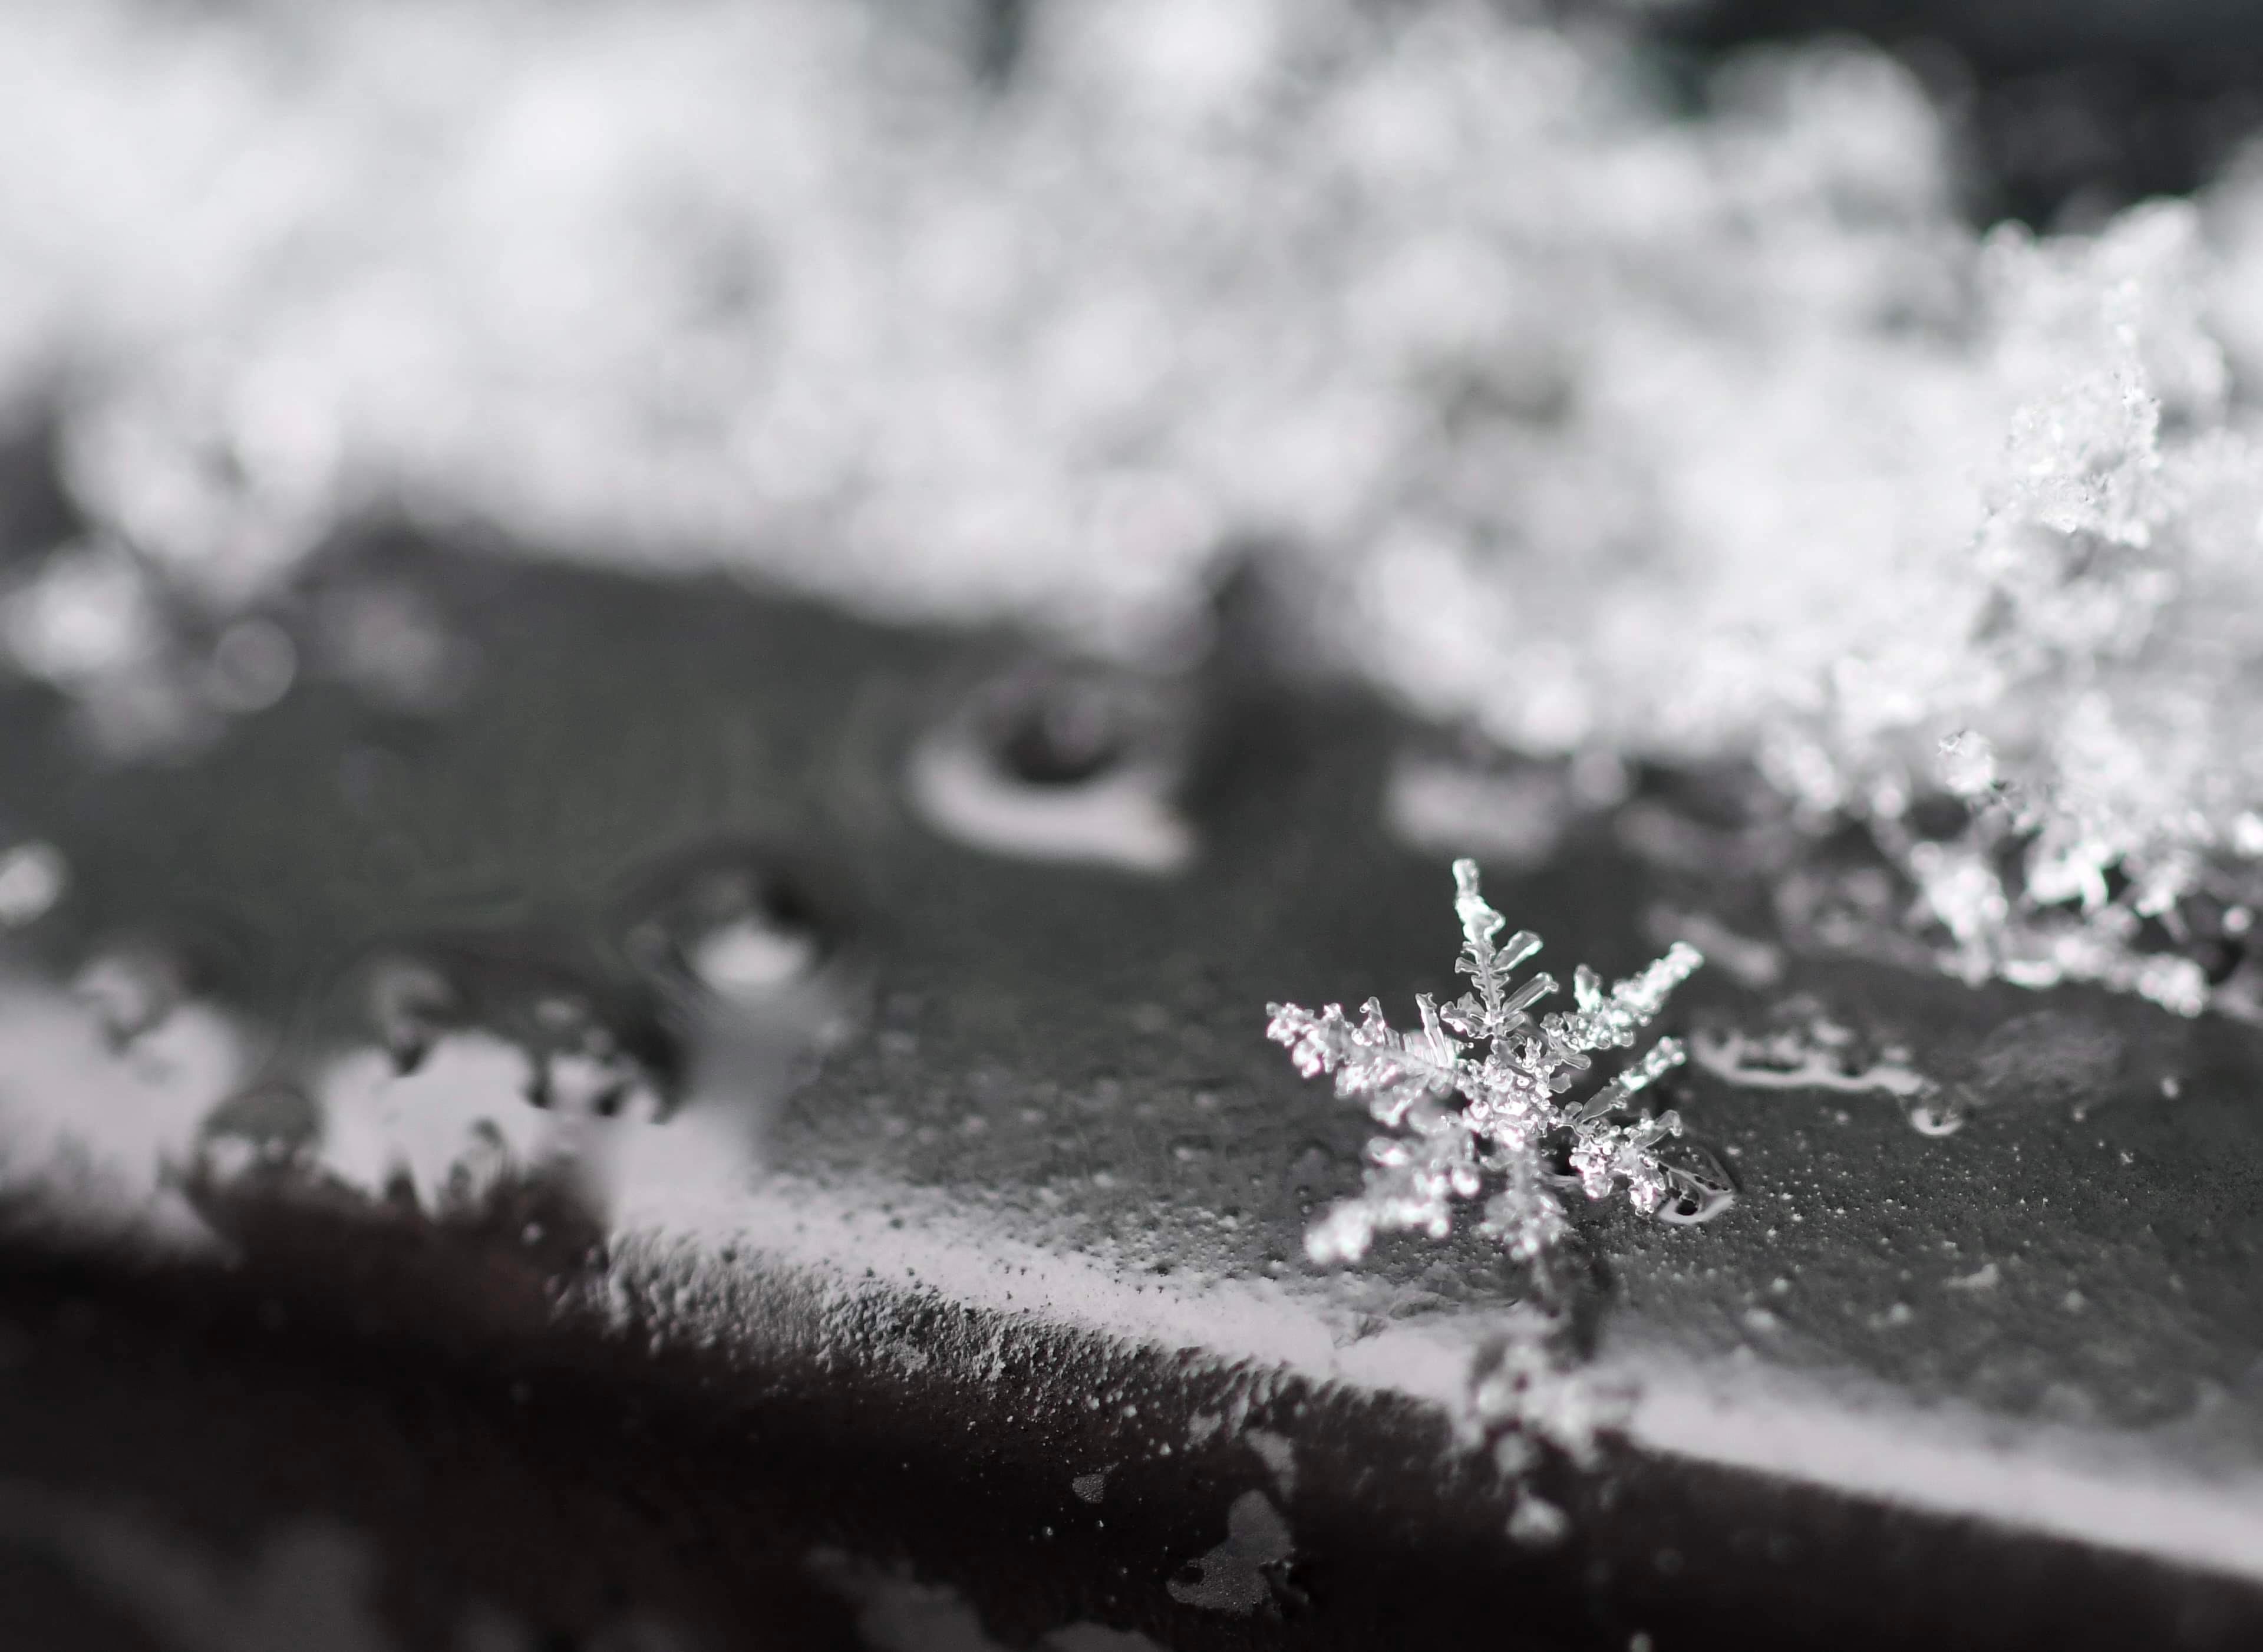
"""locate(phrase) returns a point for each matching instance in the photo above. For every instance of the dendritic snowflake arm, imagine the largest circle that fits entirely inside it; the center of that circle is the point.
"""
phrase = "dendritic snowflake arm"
(1409, 1186)
(1387, 1071)
(1524, 1218)
(1492, 1010)
(1465, 1118)
(1661, 1059)
(1604, 1023)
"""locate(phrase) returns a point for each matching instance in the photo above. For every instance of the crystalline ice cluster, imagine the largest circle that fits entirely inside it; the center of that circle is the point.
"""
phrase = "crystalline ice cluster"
(1587, 424)
(1462, 1118)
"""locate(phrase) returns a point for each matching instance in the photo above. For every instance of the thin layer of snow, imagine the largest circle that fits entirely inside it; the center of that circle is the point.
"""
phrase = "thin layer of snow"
(2117, 1492)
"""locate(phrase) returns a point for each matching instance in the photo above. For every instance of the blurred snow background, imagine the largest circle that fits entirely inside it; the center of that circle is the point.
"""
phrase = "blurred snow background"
(1584, 408)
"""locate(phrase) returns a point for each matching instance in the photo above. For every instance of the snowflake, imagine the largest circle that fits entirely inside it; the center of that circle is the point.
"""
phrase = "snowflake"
(1460, 1118)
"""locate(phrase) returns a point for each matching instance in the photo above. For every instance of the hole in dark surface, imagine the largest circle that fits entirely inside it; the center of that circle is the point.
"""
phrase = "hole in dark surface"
(730, 921)
(1062, 733)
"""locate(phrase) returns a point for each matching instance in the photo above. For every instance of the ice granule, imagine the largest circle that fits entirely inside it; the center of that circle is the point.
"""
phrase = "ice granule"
(1589, 427)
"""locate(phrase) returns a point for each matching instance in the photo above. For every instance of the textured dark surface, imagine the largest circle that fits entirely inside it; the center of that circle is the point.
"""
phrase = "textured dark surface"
(1070, 1058)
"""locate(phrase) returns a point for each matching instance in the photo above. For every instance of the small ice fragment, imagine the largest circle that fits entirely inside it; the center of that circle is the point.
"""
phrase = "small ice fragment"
(1091, 1487)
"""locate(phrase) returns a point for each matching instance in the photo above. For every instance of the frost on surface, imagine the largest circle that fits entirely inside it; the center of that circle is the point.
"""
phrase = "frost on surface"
(1481, 1095)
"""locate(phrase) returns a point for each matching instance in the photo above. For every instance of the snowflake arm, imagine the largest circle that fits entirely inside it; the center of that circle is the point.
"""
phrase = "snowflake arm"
(1493, 1010)
(1661, 1059)
(1386, 1070)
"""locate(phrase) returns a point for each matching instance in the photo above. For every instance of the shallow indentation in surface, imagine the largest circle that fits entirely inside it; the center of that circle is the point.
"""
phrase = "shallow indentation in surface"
(1055, 765)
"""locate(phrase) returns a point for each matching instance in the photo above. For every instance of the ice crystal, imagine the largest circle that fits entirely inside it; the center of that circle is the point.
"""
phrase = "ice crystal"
(1481, 1093)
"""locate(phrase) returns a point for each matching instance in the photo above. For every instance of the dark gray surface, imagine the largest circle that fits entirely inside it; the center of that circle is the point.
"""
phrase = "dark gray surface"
(1104, 1029)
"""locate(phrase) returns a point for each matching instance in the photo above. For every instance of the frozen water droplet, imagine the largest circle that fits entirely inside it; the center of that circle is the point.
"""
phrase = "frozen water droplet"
(1803, 1048)
(1699, 1186)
